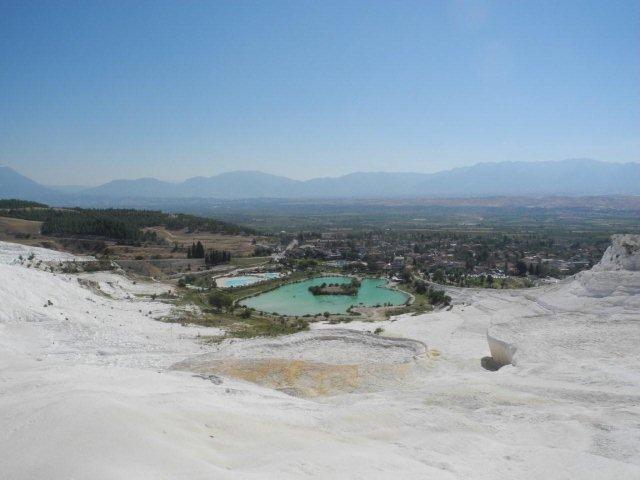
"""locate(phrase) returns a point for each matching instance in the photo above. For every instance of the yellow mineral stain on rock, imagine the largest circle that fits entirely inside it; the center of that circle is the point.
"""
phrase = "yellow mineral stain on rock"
(304, 378)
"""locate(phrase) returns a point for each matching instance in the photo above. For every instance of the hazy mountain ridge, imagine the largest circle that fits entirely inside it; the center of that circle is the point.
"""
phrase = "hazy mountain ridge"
(568, 177)
(15, 185)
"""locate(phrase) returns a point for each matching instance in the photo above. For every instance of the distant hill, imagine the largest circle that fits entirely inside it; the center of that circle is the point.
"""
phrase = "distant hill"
(240, 185)
(366, 185)
(141, 187)
(15, 185)
(67, 189)
(248, 184)
(568, 177)
(225, 185)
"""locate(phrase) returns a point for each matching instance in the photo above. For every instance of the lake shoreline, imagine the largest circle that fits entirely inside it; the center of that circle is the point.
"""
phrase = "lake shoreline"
(311, 306)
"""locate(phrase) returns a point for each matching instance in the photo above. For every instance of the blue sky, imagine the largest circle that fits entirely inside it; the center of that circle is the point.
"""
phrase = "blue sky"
(91, 91)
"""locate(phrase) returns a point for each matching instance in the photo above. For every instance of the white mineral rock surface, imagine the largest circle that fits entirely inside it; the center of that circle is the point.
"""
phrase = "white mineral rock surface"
(89, 387)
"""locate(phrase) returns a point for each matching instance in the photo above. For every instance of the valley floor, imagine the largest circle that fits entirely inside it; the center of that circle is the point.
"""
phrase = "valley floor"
(92, 385)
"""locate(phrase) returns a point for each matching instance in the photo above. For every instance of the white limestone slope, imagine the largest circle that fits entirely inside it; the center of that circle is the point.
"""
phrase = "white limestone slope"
(86, 389)
(623, 254)
(11, 253)
(593, 319)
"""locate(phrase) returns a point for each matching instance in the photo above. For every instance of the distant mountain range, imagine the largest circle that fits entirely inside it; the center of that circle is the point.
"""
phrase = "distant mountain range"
(568, 177)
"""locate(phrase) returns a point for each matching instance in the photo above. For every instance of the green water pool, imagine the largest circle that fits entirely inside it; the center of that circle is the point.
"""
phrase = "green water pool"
(296, 299)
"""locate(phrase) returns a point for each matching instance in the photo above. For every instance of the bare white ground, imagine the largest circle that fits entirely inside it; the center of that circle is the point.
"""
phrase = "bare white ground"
(335, 346)
(90, 395)
(121, 287)
(10, 253)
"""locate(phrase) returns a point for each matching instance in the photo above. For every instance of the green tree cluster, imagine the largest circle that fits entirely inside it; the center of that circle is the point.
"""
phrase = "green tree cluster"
(218, 299)
(196, 250)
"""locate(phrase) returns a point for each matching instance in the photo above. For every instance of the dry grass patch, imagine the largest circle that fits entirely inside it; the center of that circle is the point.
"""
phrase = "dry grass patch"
(238, 245)
(15, 226)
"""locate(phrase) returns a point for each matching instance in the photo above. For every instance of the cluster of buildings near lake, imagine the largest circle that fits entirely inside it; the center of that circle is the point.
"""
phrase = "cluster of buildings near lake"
(392, 252)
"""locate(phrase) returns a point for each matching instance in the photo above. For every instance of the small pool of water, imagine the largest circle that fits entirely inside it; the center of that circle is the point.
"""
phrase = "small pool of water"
(244, 280)
(296, 299)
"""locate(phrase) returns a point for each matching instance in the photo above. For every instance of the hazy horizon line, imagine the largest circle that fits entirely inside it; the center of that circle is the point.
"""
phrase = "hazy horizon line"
(182, 179)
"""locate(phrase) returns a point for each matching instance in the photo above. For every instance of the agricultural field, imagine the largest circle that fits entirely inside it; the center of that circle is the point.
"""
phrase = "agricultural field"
(14, 228)
(238, 245)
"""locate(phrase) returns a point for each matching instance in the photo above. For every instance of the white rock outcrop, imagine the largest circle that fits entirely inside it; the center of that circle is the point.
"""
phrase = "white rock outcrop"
(623, 254)
(592, 318)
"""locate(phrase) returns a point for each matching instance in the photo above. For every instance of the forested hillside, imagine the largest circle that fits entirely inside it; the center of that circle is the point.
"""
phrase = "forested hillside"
(15, 203)
(125, 225)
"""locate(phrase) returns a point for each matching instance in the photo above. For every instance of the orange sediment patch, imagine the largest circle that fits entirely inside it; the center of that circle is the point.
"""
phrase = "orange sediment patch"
(305, 378)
